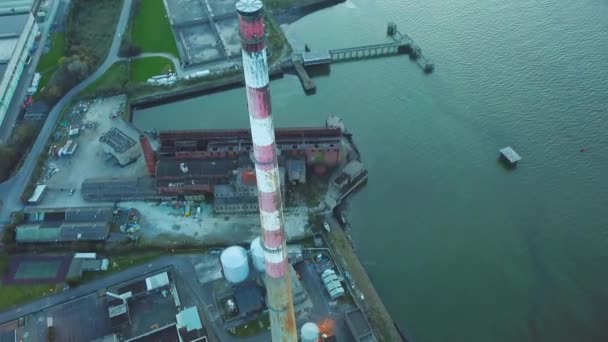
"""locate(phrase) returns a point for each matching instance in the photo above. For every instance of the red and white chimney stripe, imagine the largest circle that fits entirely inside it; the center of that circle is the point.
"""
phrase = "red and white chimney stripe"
(257, 80)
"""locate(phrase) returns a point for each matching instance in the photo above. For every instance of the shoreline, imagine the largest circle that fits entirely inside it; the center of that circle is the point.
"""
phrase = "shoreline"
(291, 15)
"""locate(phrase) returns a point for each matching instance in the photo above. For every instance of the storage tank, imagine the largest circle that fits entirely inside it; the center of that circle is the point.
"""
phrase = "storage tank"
(257, 254)
(310, 332)
(235, 264)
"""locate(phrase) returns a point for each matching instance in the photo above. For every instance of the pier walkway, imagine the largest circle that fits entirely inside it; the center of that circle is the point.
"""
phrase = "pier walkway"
(401, 44)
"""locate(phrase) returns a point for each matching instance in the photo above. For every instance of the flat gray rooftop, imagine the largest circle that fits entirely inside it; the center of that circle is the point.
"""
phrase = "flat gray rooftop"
(7, 46)
(2, 69)
(12, 24)
(15, 6)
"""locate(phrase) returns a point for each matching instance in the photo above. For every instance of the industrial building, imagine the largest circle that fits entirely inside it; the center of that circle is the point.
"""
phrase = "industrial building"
(192, 176)
(120, 146)
(243, 293)
(18, 33)
(36, 111)
(317, 145)
(241, 194)
(64, 225)
(191, 162)
(150, 309)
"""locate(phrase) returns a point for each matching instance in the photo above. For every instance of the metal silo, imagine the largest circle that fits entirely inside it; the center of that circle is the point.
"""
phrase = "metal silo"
(257, 254)
(310, 332)
(235, 264)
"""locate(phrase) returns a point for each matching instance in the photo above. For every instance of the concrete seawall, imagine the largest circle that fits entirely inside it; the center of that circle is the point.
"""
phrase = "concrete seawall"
(293, 14)
(210, 87)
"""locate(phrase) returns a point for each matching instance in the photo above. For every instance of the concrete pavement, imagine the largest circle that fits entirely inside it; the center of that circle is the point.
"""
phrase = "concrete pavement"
(11, 190)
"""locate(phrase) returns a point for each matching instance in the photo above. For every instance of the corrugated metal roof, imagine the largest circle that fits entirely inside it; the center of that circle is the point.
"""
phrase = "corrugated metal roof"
(190, 168)
(88, 214)
(84, 231)
(7, 47)
(35, 234)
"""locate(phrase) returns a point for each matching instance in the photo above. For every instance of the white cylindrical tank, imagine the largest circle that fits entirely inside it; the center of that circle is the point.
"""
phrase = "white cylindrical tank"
(235, 264)
(310, 332)
(257, 254)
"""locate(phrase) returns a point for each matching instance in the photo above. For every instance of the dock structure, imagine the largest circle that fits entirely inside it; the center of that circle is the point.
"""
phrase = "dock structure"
(316, 58)
(509, 156)
(402, 44)
(367, 51)
(307, 83)
(408, 44)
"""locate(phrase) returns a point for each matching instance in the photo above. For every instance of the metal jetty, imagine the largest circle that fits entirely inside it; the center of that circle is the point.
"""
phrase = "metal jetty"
(407, 44)
(402, 44)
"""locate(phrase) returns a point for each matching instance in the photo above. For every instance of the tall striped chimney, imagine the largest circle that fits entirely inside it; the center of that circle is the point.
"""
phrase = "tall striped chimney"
(255, 67)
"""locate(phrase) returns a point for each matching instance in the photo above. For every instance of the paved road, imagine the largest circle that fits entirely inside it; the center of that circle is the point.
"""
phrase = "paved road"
(11, 190)
(176, 62)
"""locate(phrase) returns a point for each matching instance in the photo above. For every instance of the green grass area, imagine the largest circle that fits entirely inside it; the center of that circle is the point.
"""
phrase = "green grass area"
(115, 78)
(49, 60)
(252, 328)
(122, 262)
(122, 74)
(144, 68)
(151, 30)
(13, 295)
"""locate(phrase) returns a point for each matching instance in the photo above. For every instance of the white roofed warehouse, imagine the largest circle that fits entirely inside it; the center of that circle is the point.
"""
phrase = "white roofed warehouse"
(18, 29)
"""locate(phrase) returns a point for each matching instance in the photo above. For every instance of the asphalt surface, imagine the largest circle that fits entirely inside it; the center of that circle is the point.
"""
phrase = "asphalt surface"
(11, 190)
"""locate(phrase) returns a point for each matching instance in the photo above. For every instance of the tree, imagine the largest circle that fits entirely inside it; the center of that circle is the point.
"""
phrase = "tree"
(8, 154)
(78, 68)
(8, 237)
(24, 135)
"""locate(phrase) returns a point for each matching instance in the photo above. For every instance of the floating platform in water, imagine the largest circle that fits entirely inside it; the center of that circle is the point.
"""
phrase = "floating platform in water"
(509, 156)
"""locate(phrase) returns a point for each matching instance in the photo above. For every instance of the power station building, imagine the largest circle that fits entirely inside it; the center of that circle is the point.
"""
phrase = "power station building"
(18, 31)
(188, 163)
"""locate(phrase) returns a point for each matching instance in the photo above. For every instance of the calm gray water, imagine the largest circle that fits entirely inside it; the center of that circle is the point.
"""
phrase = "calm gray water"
(459, 248)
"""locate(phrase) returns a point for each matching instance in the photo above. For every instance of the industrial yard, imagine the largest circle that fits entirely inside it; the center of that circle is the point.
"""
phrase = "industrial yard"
(92, 157)
(163, 224)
